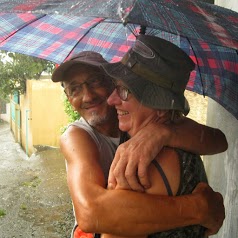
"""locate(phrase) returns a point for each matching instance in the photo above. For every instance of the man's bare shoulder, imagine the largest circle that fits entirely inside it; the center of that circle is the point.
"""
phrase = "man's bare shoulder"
(76, 142)
(74, 132)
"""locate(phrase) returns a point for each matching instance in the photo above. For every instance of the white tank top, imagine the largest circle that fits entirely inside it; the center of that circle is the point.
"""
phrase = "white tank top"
(107, 145)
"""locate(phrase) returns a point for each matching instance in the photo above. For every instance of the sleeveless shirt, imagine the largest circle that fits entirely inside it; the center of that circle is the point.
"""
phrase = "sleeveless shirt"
(106, 145)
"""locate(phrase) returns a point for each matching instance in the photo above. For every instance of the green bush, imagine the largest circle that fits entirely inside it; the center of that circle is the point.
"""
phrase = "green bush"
(72, 115)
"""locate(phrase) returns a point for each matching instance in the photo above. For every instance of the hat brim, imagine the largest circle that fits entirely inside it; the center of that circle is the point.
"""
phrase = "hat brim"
(147, 93)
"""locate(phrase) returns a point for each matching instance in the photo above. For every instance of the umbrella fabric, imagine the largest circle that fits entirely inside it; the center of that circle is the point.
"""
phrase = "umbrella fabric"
(193, 19)
(55, 37)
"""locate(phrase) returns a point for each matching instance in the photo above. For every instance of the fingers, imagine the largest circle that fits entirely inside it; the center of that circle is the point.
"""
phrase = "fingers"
(111, 178)
(132, 159)
(119, 174)
(116, 177)
(143, 175)
(131, 176)
(123, 174)
(212, 209)
(202, 187)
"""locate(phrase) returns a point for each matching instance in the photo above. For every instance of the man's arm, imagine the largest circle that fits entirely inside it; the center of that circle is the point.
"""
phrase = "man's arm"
(196, 138)
(215, 205)
(129, 167)
(118, 212)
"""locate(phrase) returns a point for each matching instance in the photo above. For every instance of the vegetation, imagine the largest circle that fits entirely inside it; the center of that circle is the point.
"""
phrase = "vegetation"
(15, 69)
(23, 206)
(2, 212)
(72, 114)
(34, 182)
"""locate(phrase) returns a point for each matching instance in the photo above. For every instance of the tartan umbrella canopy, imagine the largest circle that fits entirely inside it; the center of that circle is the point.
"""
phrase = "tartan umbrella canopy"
(190, 18)
(31, 28)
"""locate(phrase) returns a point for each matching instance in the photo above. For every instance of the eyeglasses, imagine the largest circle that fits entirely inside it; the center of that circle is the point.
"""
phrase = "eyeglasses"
(75, 90)
(122, 92)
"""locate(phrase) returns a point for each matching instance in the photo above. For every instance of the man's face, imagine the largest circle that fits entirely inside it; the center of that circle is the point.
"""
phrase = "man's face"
(87, 89)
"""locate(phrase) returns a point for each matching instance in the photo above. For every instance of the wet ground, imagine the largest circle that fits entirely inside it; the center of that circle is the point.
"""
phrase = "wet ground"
(34, 198)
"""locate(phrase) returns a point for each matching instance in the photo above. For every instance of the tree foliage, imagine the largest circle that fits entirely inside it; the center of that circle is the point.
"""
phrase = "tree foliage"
(15, 69)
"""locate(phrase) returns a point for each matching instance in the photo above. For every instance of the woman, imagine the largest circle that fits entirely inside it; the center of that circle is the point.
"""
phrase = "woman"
(150, 82)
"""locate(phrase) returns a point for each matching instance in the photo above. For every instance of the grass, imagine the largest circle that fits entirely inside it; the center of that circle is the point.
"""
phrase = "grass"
(2, 212)
(33, 182)
(23, 206)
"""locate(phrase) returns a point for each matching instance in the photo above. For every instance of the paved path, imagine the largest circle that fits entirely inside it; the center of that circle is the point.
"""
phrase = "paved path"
(34, 198)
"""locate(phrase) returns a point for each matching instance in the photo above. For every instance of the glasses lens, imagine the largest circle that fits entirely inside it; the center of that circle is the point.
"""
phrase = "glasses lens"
(92, 83)
(95, 82)
(122, 92)
(74, 90)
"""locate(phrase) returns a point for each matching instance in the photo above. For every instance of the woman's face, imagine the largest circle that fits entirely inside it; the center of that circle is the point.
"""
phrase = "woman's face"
(132, 115)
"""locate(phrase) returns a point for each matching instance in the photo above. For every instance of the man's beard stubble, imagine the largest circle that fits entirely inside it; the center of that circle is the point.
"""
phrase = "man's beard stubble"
(97, 120)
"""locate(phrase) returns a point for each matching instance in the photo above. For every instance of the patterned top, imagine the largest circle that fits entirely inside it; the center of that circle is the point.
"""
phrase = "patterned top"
(192, 172)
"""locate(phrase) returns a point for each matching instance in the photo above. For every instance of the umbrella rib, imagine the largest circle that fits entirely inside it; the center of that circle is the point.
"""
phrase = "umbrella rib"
(89, 29)
(199, 71)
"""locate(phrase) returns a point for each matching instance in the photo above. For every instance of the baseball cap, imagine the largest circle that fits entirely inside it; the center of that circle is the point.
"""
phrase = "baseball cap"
(85, 57)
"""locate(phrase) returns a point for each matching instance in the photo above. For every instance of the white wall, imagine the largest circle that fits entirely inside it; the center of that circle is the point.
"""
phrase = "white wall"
(222, 169)
(6, 116)
(230, 4)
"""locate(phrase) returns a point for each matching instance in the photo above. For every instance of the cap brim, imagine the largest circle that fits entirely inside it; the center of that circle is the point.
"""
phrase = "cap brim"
(58, 74)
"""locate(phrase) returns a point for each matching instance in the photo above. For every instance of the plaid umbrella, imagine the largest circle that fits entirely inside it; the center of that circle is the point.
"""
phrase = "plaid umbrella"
(190, 18)
(54, 37)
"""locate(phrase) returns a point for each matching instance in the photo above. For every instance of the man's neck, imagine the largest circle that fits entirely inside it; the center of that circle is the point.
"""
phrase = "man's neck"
(110, 129)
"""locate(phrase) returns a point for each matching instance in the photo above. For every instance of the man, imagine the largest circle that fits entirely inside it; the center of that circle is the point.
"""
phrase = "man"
(89, 145)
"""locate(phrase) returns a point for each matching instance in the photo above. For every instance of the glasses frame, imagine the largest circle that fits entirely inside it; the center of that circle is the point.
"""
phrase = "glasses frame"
(92, 83)
(122, 92)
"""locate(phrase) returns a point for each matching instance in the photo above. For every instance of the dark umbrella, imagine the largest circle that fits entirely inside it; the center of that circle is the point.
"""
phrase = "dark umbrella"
(202, 30)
